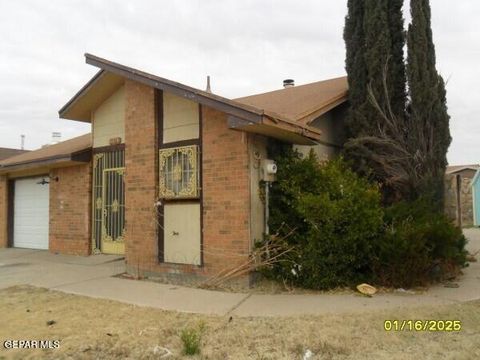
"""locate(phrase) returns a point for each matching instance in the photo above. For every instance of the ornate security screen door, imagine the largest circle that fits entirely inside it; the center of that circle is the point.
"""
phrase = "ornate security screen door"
(113, 224)
(108, 202)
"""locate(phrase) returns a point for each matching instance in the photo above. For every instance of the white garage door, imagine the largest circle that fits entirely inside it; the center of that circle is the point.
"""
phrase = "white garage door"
(30, 214)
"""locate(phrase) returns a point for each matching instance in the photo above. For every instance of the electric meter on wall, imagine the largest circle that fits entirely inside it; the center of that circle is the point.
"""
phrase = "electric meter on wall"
(268, 170)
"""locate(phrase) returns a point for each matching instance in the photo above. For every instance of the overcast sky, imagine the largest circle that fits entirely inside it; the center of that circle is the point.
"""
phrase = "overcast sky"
(247, 47)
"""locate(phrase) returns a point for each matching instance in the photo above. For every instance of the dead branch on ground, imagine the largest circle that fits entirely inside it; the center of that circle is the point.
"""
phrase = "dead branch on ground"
(268, 254)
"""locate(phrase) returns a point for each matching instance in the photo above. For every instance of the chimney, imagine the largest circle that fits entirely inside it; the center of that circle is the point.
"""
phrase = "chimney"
(22, 141)
(209, 90)
(56, 137)
(288, 83)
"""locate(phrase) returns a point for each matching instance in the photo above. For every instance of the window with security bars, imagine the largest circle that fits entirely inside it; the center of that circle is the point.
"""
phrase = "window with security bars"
(179, 172)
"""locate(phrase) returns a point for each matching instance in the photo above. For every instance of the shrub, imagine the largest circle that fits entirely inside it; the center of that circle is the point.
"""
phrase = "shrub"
(418, 246)
(191, 339)
(337, 217)
(342, 236)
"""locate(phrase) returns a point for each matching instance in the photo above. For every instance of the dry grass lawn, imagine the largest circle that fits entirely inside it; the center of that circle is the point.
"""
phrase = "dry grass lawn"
(101, 329)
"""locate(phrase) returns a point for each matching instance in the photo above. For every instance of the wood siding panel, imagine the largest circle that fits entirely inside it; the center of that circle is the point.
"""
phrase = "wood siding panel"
(109, 119)
(180, 119)
(257, 150)
(182, 233)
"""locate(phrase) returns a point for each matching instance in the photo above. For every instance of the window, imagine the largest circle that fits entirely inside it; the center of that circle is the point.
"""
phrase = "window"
(179, 173)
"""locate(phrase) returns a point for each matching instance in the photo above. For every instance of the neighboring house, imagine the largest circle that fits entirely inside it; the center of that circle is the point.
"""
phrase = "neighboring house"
(170, 175)
(8, 152)
(459, 203)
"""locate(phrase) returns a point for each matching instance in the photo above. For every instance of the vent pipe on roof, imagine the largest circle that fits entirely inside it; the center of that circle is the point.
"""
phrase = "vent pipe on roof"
(209, 90)
(56, 137)
(288, 83)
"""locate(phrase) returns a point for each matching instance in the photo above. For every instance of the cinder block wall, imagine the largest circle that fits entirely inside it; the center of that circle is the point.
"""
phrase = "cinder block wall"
(3, 211)
(225, 184)
(70, 210)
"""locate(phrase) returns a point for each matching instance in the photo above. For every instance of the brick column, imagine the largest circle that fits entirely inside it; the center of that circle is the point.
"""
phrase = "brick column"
(226, 193)
(141, 246)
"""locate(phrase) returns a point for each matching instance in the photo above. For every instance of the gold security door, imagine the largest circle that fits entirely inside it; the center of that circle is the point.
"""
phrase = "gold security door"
(108, 202)
(113, 211)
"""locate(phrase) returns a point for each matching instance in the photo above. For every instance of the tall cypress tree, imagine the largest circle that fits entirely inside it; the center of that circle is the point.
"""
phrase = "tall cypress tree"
(354, 37)
(377, 56)
(429, 119)
(374, 38)
(401, 139)
(370, 50)
(397, 77)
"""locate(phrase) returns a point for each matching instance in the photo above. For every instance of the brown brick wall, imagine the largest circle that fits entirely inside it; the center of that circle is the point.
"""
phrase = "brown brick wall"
(226, 189)
(226, 192)
(70, 210)
(140, 176)
(3, 211)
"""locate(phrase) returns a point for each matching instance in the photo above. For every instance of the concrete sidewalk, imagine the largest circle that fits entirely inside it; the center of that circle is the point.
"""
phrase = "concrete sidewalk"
(92, 276)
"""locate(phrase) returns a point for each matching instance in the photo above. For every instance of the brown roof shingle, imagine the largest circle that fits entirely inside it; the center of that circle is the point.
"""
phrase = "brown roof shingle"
(8, 152)
(301, 103)
(57, 151)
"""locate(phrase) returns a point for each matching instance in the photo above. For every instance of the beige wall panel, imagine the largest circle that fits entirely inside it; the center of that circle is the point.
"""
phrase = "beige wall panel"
(257, 151)
(109, 119)
(332, 126)
(182, 233)
(323, 152)
(180, 118)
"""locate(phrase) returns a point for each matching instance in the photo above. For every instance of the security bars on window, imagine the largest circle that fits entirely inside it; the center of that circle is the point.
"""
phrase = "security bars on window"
(179, 173)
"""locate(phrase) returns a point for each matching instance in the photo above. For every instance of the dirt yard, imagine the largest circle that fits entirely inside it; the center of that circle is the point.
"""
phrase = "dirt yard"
(100, 329)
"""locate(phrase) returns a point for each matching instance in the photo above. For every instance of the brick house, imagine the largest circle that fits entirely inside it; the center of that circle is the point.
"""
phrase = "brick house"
(169, 176)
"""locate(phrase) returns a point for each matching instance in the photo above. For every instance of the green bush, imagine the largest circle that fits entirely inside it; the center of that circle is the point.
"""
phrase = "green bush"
(418, 246)
(342, 236)
(337, 218)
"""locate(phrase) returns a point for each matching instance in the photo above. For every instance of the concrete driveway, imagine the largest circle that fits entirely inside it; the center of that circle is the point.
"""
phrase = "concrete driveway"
(40, 268)
(92, 276)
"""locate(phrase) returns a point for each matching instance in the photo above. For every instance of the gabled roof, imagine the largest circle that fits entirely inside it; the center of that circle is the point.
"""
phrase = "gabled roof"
(91, 95)
(303, 103)
(8, 152)
(242, 116)
(457, 168)
(71, 151)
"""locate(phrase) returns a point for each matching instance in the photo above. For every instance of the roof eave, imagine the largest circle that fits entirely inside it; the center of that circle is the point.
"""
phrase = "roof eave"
(310, 116)
(280, 129)
(461, 169)
(220, 103)
(245, 112)
(64, 110)
(78, 157)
